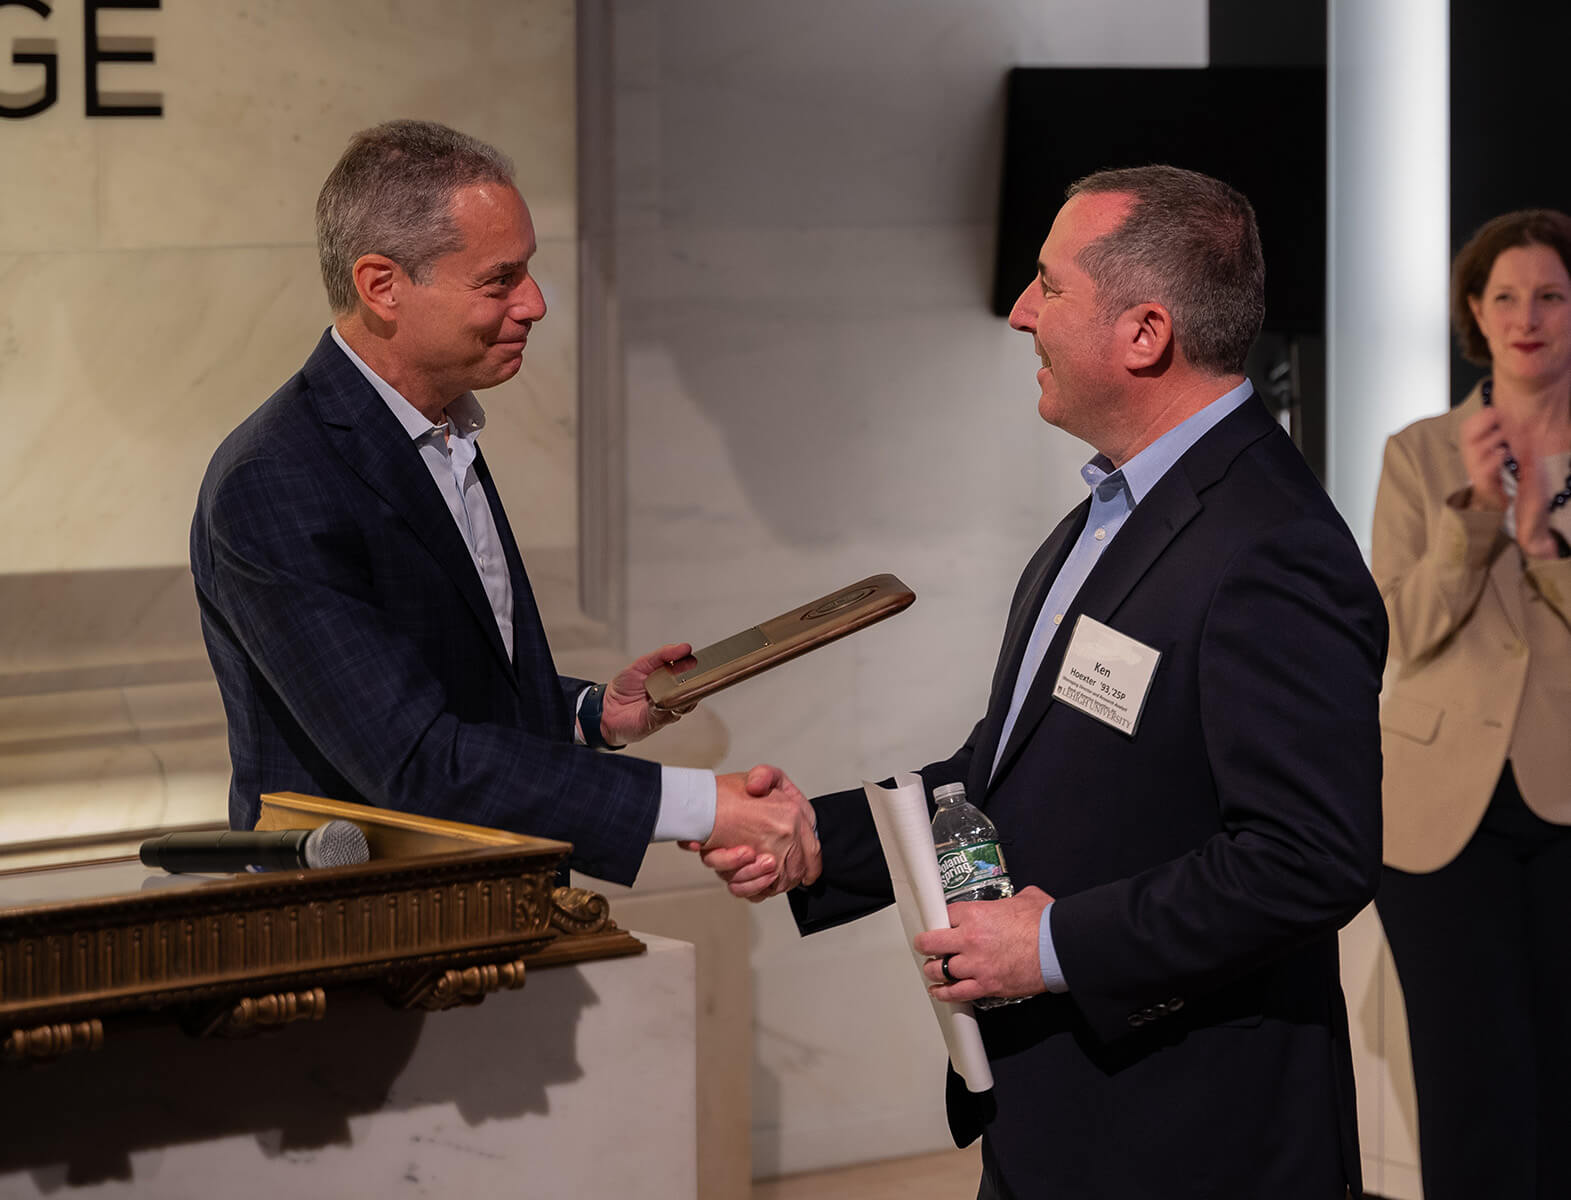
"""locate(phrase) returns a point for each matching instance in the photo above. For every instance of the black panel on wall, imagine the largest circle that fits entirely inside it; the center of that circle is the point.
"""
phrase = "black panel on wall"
(1508, 99)
(1255, 117)
(1262, 129)
(1289, 370)
(1259, 33)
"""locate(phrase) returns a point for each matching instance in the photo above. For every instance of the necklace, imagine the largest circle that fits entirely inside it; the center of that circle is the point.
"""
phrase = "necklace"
(1560, 498)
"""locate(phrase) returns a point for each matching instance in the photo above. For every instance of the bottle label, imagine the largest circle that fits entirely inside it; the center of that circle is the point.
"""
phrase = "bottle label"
(967, 866)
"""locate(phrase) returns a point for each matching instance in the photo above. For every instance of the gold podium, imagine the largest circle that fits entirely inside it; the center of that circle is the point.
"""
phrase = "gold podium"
(443, 915)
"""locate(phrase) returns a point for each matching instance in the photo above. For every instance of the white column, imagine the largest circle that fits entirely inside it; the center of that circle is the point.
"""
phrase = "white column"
(1387, 362)
(1387, 347)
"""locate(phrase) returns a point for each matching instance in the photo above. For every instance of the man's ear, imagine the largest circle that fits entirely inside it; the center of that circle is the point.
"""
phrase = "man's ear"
(1146, 333)
(376, 282)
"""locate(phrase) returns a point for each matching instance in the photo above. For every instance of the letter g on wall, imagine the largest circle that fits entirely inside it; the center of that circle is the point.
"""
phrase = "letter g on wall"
(43, 52)
(28, 52)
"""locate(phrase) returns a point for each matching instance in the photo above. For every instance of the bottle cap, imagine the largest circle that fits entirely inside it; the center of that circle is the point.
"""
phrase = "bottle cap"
(945, 791)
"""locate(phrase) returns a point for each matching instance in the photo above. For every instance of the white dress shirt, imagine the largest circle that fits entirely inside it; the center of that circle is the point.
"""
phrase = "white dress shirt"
(687, 796)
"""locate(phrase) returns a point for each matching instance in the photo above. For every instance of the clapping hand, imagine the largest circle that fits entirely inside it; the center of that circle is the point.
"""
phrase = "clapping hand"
(1532, 510)
(1482, 443)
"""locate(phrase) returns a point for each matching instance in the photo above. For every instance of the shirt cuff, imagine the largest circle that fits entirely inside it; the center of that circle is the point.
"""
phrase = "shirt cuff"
(687, 805)
(578, 729)
(1052, 973)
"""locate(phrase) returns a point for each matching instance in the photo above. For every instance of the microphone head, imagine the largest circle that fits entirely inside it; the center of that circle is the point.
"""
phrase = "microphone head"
(336, 844)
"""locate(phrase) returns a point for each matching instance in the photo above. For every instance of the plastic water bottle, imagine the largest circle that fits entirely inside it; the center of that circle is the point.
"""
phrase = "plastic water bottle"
(970, 861)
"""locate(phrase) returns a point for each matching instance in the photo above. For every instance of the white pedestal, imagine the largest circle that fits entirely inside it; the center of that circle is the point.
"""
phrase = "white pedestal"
(1382, 1064)
(581, 1085)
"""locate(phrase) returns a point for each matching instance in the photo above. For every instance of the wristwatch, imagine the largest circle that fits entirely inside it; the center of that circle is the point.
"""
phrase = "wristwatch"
(589, 713)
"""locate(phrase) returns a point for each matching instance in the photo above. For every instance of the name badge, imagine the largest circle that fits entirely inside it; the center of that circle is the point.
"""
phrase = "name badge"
(1106, 674)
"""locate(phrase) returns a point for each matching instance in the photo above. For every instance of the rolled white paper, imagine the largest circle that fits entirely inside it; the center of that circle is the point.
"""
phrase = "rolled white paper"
(904, 831)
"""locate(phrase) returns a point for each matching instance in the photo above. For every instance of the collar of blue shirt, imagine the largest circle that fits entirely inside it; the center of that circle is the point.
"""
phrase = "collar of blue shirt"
(1140, 474)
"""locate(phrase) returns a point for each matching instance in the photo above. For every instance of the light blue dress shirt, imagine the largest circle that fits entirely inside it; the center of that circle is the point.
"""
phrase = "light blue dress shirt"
(1114, 494)
(687, 796)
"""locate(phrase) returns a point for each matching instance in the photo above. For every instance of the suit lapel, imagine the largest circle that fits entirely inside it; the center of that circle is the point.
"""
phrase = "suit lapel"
(533, 668)
(1173, 502)
(1154, 523)
(1049, 560)
(377, 449)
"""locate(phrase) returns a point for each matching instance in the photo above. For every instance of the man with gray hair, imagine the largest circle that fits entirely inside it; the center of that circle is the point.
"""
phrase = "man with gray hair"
(1180, 751)
(363, 600)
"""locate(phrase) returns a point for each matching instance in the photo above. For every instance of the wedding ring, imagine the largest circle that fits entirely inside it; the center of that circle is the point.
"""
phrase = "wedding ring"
(943, 965)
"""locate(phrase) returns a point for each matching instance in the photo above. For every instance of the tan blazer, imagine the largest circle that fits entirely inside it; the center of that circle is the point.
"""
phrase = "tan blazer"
(1480, 653)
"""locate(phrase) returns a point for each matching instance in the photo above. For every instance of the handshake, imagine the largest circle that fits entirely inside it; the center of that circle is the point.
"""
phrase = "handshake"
(764, 841)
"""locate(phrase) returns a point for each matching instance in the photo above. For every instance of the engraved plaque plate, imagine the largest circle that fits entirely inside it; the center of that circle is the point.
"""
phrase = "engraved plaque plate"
(778, 640)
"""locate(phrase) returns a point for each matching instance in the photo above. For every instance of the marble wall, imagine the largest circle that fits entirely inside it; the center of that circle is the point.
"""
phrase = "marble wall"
(160, 273)
(817, 391)
(158, 280)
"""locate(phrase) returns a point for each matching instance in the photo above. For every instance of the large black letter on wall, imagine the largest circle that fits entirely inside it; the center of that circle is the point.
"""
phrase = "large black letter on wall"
(15, 105)
(131, 50)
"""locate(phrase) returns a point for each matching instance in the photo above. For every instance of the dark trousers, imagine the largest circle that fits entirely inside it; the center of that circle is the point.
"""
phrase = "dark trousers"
(992, 1187)
(1483, 950)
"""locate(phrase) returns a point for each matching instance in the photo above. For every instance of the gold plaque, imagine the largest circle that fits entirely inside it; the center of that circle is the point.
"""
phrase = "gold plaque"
(777, 640)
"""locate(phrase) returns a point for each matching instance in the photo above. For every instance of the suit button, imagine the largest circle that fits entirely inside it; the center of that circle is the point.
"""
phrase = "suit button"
(1176, 1003)
(1159, 1009)
(1136, 1020)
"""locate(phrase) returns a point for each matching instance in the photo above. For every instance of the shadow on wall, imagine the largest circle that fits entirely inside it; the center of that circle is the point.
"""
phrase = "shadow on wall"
(81, 1121)
(829, 421)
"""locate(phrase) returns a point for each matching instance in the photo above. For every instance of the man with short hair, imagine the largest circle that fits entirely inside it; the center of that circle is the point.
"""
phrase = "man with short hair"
(1180, 751)
(363, 600)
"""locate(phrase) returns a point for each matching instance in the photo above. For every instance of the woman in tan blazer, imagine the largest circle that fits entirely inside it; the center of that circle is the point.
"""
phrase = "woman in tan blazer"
(1471, 554)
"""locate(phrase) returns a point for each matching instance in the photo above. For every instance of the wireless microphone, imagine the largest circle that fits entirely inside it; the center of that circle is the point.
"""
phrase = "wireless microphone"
(336, 844)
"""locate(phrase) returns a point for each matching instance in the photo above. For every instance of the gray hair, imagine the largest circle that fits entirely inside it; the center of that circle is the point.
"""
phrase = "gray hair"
(392, 193)
(1189, 243)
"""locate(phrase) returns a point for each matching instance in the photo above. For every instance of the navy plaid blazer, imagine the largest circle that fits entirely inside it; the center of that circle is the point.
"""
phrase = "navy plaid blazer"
(355, 649)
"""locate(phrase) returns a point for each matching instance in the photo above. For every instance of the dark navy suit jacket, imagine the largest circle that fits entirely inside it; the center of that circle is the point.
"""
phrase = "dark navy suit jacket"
(355, 648)
(1201, 866)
